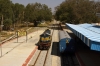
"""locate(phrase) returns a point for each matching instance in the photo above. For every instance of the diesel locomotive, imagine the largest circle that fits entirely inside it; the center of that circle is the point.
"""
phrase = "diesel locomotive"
(45, 40)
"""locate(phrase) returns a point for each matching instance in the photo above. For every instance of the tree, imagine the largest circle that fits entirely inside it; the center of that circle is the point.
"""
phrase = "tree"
(6, 10)
(76, 11)
(7, 24)
(18, 13)
(37, 12)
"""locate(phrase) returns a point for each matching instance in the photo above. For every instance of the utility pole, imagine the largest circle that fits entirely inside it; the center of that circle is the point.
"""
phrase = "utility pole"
(2, 23)
(0, 35)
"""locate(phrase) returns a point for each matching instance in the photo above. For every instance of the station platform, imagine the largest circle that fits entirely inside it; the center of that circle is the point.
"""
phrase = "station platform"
(85, 55)
(88, 33)
(13, 53)
(88, 57)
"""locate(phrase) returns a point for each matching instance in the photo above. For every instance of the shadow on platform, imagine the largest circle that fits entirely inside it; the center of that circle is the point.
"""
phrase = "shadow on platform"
(55, 49)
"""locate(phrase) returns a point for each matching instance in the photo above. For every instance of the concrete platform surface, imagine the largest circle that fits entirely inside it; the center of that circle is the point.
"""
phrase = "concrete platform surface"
(19, 54)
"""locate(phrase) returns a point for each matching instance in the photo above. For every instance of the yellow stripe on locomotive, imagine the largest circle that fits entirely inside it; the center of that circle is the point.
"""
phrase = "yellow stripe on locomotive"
(45, 38)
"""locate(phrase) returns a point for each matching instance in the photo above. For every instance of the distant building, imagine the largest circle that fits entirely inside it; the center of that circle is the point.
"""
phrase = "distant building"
(98, 14)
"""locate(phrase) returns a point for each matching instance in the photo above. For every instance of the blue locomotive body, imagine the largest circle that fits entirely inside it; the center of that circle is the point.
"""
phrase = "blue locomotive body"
(66, 43)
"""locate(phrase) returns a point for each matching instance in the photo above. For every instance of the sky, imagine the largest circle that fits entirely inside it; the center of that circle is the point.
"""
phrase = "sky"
(50, 3)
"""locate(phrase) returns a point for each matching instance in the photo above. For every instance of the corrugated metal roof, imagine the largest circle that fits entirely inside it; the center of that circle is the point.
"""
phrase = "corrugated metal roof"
(92, 32)
(91, 27)
(87, 33)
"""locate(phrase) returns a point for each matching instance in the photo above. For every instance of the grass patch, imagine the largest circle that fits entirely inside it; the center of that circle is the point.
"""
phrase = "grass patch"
(45, 24)
(7, 34)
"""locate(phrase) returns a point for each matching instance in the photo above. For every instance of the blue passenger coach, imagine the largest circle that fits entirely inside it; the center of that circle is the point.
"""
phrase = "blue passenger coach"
(66, 43)
(88, 33)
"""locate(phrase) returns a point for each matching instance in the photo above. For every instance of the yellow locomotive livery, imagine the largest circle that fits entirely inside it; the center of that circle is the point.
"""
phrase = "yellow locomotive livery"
(45, 40)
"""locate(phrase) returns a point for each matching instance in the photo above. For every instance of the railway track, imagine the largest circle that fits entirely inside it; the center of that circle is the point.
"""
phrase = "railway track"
(69, 60)
(40, 57)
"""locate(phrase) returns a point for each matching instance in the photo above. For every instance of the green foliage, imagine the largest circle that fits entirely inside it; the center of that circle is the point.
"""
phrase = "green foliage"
(37, 12)
(16, 14)
(76, 11)
(7, 24)
(5, 9)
